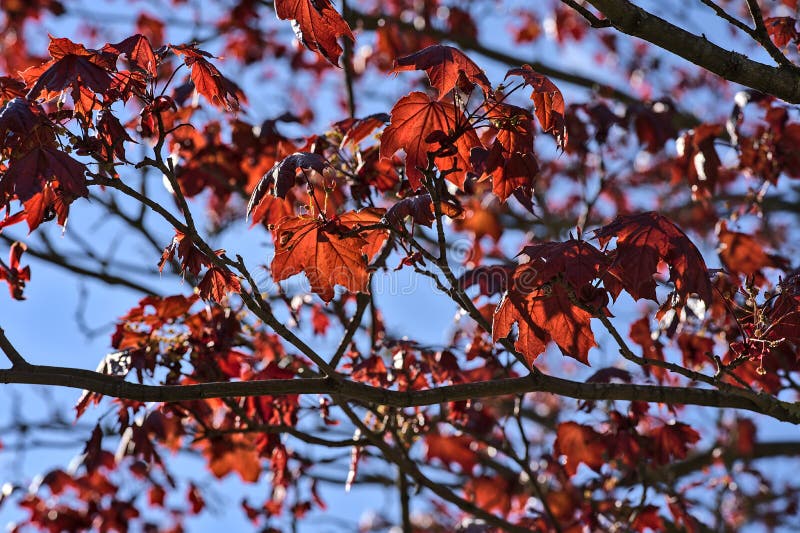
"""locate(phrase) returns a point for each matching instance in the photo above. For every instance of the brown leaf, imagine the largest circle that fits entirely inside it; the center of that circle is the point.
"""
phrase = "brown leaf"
(280, 178)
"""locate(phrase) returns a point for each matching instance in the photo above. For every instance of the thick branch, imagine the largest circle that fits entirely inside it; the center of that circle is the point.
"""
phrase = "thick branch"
(117, 388)
(628, 18)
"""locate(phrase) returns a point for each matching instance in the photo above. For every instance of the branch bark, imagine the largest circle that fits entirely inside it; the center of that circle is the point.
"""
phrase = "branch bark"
(782, 82)
(118, 388)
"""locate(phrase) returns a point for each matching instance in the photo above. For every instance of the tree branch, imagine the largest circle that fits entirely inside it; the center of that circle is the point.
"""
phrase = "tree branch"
(628, 18)
(761, 35)
(406, 466)
(590, 17)
(98, 274)
(117, 388)
(730, 19)
(17, 361)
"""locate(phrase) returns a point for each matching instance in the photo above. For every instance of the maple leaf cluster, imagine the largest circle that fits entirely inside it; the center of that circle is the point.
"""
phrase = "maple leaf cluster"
(619, 231)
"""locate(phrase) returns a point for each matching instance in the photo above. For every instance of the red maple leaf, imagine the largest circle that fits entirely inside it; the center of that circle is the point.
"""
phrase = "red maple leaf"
(547, 100)
(672, 441)
(531, 339)
(11, 88)
(46, 205)
(44, 164)
(782, 30)
(783, 315)
(192, 259)
(643, 241)
(540, 300)
(651, 348)
(544, 314)
(20, 117)
(491, 493)
(217, 283)
(510, 161)
(580, 444)
(578, 261)
(744, 254)
(113, 135)
(73, 65)
(421, 210)
(648, 518)
(139, 52)
(697, 350)
(355, 130)
(329, 252)
(317, 25)
(208, 81)
(13, 274)
(270, 210)
(447, 68)
(415, 119)
(451, 449)
(233, 453)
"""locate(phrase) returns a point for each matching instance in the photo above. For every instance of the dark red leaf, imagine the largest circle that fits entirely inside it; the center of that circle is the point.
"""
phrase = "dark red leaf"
(280, 178)
(217, 283)
(317, 25)
(672, 441)
(580, 444)
(447, 68)
(547, 100)
(139, 52)
(643, 241)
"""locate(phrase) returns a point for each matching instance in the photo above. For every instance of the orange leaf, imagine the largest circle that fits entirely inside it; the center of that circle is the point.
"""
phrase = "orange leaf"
(330, 252)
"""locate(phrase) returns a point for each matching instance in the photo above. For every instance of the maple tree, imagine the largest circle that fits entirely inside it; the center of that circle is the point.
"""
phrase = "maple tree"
(617, 247)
